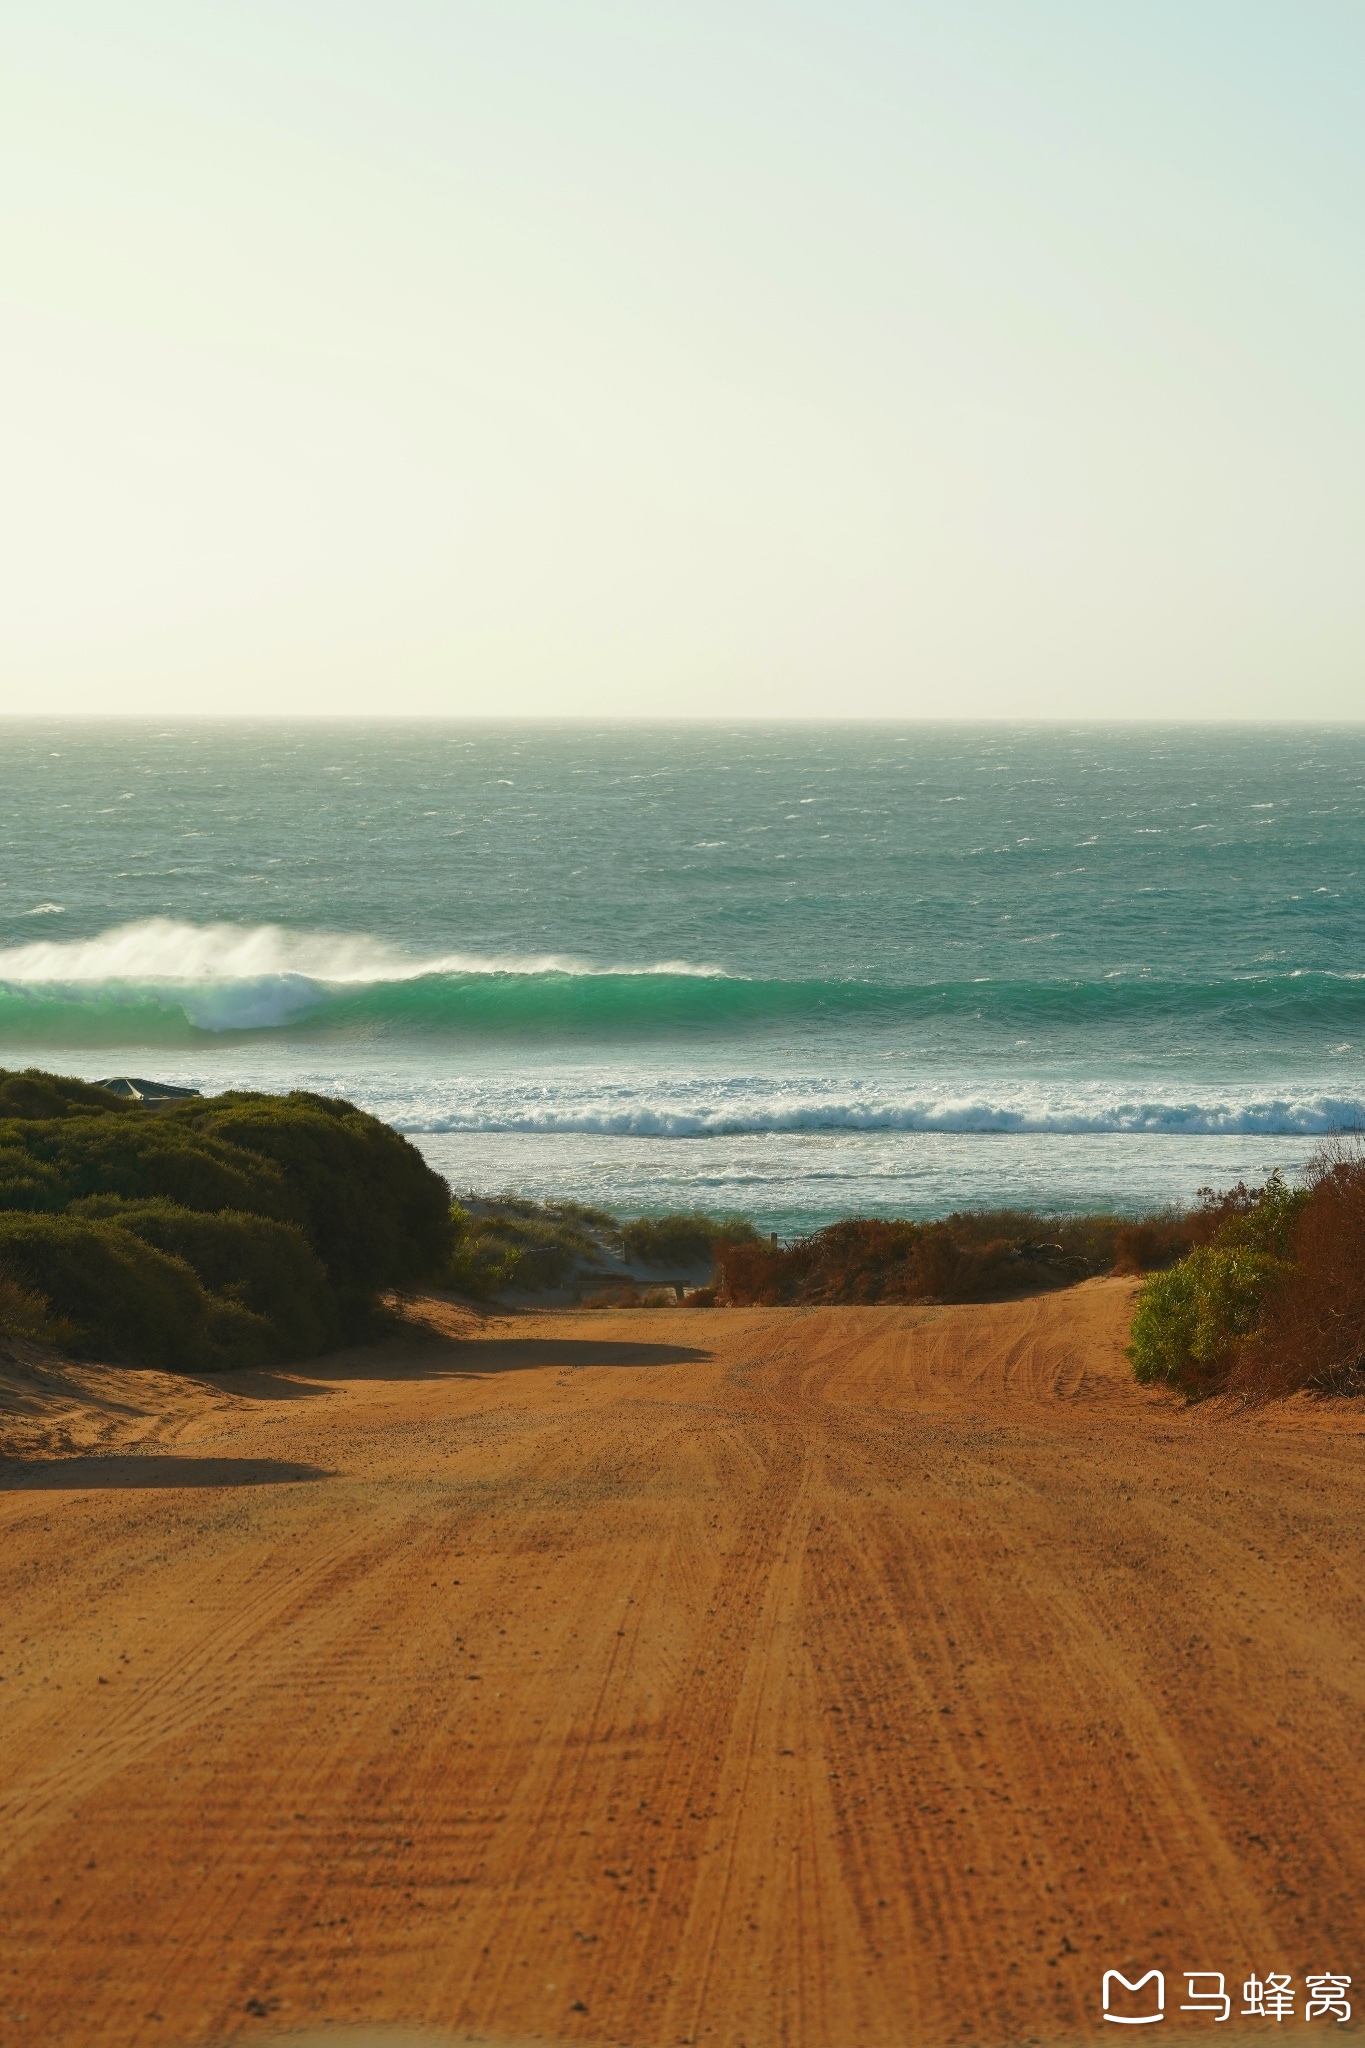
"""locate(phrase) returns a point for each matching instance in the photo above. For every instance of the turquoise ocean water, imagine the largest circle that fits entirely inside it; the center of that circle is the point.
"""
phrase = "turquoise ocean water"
(802, 972)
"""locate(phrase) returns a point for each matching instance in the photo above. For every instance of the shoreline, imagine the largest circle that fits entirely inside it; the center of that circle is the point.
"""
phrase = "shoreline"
(788, 1181)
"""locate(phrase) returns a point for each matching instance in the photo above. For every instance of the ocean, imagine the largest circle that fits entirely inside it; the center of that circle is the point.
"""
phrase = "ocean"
(798, 972)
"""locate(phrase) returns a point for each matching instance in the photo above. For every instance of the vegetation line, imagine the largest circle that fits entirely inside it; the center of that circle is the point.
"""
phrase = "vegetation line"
(248, 1230)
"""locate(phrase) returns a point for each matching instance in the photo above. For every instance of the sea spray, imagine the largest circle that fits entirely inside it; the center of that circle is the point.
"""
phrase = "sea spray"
(169, 977)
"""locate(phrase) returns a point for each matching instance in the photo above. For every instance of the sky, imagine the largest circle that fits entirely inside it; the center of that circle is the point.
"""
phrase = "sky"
(831, 358)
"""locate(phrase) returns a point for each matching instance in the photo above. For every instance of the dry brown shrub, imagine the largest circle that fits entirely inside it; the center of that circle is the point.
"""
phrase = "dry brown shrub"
(1313, 1333)
(864, 1260)
(1152, 1246)
(972, 1255)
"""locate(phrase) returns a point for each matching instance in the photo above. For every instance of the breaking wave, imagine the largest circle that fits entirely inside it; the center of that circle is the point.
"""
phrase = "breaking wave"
(718, 1109)
(168, 980)
(166, 983)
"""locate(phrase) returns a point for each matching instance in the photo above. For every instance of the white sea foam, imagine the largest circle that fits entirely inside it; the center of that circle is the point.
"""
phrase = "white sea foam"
(718, 1109)
(264, 973)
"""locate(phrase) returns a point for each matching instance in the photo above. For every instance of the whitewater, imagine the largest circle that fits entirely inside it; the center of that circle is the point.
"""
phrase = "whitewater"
(790, 972)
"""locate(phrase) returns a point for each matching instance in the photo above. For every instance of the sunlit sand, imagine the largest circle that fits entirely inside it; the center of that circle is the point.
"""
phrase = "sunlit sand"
(831, 1676)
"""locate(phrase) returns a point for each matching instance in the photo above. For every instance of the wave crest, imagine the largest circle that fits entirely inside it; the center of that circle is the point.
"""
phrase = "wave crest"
(163, 982)
(164, 950)
(226, 977)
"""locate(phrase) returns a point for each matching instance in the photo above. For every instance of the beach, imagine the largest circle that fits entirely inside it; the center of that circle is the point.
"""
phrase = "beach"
(682, 1027)
(751, 1676)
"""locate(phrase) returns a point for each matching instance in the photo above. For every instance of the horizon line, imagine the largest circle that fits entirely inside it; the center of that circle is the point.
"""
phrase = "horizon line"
(671, 721)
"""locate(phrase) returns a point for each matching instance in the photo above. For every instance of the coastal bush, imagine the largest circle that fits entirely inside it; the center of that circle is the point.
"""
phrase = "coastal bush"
(1152, 1245)
(373, 1210)
(243, 1229)
(1190, 1322)
(1262, 1219)
(1090, 1238)
(869, 1260)
(972, 1255)
(534, 1245)
(123, 1298)
(685, 1239)
(1102, 1243)
(511, 1241)
(29, 1315)
(1312, 1329)
(370, 1206)
(1194, 1323)
(269, 1268)
(481, 1261)
(32, 1093)
(140, 1155)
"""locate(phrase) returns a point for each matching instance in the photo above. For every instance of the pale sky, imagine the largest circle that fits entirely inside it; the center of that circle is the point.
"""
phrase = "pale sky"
(556, 357)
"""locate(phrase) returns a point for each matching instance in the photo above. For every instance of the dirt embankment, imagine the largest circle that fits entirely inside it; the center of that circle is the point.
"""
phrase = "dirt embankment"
(826, 1677)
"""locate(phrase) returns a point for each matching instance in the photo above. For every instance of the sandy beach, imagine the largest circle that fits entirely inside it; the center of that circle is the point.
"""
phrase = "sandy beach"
(840, 1676)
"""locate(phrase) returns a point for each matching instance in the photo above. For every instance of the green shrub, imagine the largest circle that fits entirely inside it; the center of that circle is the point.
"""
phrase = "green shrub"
(123, 1298)
(1311, 1333)
(27, 1182)
(688, 1239)
(266, 1267)
(25, 1314)
(539, 1244)
(371, 1207)
(1164, 1326)
(35, 1094)
(243, 1229)
(373, 1210)
(481, 1261)
(1192, 1323)
(1262, 1219)
(139, 1155)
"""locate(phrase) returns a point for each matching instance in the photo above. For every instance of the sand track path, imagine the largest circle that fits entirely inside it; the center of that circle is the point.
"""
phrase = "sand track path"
(834, 1678)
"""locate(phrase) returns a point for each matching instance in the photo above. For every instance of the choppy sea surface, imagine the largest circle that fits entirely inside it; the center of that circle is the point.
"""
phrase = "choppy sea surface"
(800, 972)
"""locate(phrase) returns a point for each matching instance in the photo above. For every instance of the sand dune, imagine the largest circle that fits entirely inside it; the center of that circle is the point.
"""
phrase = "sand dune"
(834, 1677)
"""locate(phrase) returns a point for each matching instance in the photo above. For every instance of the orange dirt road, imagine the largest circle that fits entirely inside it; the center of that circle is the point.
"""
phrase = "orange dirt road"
(838, 1678)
